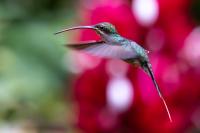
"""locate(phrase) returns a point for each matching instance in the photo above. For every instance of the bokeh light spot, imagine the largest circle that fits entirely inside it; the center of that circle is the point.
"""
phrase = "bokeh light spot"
(119, 94)
(145, 11)
(191, 50)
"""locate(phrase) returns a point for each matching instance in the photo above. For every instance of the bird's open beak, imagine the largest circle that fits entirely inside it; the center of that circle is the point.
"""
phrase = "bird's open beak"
(77, 27)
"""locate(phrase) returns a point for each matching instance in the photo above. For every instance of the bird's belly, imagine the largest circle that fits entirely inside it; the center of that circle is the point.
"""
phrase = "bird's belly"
(133, 61)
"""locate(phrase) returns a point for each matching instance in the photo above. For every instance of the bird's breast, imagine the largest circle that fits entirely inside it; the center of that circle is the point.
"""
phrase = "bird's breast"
(112, 39)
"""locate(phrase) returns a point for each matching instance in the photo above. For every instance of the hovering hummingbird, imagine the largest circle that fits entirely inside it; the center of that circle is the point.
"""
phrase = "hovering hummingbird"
(112, 45)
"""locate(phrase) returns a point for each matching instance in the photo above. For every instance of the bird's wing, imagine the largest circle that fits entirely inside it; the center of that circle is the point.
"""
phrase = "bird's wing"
(101, 49)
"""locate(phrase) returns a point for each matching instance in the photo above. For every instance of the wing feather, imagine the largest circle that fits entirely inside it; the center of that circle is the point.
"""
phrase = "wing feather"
(101, 49)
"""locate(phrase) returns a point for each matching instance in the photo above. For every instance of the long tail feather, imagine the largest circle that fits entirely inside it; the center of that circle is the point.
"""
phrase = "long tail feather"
(159, 92)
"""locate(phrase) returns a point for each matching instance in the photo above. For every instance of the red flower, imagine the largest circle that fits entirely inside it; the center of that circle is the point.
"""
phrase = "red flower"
(177, 79)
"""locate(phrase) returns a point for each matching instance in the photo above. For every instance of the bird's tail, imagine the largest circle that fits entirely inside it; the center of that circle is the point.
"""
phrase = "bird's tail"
(158, 90)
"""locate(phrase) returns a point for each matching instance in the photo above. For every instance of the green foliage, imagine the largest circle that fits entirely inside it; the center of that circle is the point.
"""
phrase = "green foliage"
(32, 70)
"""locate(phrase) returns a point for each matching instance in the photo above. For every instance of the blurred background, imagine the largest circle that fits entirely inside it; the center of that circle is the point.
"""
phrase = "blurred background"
(45, 87)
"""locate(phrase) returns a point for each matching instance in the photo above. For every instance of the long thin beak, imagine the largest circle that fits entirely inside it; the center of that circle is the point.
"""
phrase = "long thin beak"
(74, 28)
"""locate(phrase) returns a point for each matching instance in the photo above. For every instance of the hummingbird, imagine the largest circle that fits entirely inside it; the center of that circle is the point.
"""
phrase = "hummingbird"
(113, 45)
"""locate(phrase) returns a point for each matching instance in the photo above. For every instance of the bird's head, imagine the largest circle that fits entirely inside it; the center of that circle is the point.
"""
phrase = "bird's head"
(103, 27)
(106, 28)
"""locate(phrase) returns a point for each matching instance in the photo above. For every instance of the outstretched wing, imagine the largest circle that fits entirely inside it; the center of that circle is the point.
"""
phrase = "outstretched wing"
(101, 49)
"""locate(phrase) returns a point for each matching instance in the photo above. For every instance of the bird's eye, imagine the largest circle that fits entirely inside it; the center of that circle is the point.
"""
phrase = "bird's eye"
(102, 27)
